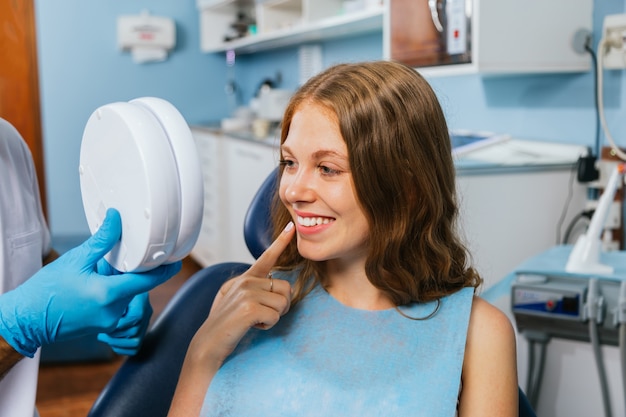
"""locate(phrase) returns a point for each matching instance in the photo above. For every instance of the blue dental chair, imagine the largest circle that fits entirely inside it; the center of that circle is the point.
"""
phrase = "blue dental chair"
(145, 383)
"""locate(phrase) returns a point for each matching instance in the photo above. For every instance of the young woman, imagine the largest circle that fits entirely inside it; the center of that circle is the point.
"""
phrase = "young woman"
(370, 310)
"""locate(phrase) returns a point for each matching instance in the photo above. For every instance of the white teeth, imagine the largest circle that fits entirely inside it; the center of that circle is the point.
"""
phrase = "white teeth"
(312, 221)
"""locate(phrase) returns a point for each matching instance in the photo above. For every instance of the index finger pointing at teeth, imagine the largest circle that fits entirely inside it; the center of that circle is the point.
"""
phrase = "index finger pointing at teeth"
(268, 259)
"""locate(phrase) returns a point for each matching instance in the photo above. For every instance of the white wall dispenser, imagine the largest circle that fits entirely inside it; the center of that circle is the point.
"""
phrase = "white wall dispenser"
(148, 38)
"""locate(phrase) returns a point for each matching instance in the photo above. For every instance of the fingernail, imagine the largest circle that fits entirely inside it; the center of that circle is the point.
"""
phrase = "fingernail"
(288, 227)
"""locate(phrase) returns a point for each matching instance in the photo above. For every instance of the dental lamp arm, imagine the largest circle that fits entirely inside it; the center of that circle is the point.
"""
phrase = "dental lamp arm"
(604, 203)
(585, 255)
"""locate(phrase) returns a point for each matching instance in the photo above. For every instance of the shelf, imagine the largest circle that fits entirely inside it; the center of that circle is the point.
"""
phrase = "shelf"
(351, 24)
(225, 5)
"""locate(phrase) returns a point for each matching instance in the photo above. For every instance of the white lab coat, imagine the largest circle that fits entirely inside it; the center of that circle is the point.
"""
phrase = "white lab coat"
(24, 240)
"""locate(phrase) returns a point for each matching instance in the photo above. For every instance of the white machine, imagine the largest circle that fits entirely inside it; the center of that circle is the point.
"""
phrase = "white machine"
(576, 293)
(140, 158)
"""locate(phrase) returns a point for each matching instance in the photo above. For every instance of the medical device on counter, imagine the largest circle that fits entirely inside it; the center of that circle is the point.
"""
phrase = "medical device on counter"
(576, 293)
(139, 157)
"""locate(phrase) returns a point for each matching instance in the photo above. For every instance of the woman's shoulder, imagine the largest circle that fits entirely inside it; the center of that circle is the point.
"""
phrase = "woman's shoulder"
(488, 320)
(490, 364)
(490, 337)
(490, 330)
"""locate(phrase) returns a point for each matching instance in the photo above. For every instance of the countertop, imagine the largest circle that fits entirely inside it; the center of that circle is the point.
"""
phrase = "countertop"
(520, 154)
(511, 154)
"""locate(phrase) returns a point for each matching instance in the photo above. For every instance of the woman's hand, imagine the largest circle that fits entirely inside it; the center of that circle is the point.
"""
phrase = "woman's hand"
(253, 299)
(249, 300)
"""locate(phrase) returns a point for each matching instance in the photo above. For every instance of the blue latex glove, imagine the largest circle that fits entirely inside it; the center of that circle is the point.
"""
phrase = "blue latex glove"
(127, 336)
(130, 330)
(68, 298)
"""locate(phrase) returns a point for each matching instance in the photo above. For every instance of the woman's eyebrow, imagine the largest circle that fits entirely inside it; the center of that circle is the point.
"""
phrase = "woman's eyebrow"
(319, 153)
(328, 152)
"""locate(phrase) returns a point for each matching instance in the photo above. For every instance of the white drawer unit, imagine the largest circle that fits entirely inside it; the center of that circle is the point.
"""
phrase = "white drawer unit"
(249, 164)
(233, 170)
(208, 249)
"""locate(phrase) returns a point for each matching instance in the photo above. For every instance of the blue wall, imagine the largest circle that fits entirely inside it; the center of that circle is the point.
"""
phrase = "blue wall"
(81, 69)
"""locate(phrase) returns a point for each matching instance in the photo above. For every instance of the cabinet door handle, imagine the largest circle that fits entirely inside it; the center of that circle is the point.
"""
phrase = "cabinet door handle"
(434, 14)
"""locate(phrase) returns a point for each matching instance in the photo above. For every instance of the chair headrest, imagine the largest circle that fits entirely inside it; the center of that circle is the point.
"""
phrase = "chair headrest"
(257, 228)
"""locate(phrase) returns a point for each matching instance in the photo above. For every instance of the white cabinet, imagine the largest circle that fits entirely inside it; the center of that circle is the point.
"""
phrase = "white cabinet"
(516, 199)
(209, 249)
(283, 22)
(510, 215)
(233, 170)
(487, 36)
(248, 165)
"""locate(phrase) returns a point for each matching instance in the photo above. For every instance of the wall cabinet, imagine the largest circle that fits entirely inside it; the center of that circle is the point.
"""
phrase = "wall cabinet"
(440, 37)
(233, 170)
(487, 36)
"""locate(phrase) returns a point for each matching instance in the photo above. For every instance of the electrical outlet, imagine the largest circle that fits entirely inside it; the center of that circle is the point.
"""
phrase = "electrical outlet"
(614, 32)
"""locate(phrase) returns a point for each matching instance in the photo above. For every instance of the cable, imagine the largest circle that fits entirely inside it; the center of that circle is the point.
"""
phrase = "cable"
(604, 387)
(585, 214)
(620, 318)
(531, 370)
(622, 355)
(594, 314)
(539, 373)
(535, 367)
(594, 58)
(599, 74)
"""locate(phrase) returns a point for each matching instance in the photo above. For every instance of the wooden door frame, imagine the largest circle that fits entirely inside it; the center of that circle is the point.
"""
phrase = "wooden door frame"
(20, 104)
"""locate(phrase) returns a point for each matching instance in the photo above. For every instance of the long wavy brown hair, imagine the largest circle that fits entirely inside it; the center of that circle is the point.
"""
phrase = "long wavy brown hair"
(401, 161)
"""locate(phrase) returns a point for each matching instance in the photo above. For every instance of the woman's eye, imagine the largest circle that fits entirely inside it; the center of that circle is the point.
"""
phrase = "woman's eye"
(328, 171)
(287, 163)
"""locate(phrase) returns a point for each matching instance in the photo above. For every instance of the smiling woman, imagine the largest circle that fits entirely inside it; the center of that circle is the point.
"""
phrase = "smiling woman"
(317, 189)
(372, 296)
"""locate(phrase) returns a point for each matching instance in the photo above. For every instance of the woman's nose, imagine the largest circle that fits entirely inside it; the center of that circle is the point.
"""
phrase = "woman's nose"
(297, 187)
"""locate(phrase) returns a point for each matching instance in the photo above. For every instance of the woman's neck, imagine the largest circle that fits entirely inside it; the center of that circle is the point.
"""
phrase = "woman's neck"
(349, 285)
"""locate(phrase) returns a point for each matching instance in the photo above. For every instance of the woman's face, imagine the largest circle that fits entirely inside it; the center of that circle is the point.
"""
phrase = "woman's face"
(317, 189)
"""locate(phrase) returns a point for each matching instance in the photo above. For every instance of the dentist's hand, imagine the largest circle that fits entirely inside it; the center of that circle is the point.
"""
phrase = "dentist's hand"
(127, 336)
(130, 330)
(69, 298)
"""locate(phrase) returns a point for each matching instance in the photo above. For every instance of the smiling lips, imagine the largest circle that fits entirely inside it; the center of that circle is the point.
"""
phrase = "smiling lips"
(313, 221)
